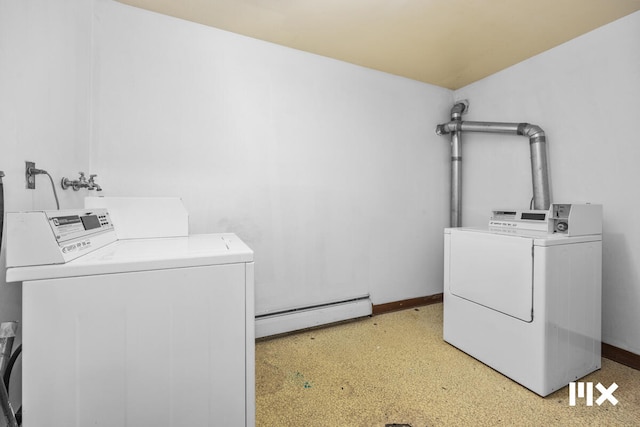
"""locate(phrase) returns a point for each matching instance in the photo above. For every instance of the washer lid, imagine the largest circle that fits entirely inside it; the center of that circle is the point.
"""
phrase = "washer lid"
(144, 254)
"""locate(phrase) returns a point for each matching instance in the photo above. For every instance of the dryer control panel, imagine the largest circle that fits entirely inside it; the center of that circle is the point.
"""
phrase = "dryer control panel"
(569, 219)
(56, 237)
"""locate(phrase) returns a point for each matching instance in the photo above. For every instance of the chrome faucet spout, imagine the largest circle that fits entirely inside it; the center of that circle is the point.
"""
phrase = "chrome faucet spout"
(92, 185)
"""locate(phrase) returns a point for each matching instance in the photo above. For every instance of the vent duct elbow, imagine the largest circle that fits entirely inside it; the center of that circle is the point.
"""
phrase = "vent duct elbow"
(532, 131)
(538, 149)
(458, 109)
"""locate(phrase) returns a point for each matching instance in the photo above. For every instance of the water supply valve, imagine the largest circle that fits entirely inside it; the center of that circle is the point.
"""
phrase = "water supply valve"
(81, 182)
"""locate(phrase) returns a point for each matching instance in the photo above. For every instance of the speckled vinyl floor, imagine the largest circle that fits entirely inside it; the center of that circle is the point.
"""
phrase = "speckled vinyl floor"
(395, 368)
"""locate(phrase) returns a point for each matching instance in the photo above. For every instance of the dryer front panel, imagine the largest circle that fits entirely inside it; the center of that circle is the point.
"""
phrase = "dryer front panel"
(493, 270)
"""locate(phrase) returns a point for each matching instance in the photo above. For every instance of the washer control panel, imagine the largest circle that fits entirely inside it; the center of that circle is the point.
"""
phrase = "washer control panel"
(37, 238)
(74, 225)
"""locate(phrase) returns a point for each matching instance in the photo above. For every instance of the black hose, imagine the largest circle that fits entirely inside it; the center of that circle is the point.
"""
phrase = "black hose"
(7, 377)
(12, 361)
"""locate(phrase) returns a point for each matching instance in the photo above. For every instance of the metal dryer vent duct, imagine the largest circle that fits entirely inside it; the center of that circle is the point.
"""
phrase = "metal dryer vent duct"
(537, 145)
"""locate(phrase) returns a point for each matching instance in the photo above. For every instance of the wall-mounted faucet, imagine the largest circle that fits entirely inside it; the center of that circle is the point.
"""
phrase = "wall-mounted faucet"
(81, 182)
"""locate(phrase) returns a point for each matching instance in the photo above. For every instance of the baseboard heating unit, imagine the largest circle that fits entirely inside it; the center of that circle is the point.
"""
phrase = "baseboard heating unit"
(309, 317)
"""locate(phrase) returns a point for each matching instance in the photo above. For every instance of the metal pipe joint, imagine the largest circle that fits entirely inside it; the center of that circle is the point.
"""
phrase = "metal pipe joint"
(537, 143)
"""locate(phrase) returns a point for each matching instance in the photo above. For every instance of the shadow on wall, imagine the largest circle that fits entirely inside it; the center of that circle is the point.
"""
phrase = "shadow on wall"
(620, 282)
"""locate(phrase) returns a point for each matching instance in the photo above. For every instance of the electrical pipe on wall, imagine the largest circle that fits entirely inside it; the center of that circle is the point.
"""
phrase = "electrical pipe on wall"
(537, 145)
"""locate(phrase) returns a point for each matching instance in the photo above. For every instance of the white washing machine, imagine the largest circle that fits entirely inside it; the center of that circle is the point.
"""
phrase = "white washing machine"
(132, 332)
(524, 295)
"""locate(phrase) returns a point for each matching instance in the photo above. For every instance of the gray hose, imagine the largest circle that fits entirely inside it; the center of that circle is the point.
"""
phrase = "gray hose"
(55, 194)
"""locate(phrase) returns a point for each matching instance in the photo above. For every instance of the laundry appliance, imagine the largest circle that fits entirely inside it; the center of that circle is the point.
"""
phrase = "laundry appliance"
(154, 331)
(523, 295)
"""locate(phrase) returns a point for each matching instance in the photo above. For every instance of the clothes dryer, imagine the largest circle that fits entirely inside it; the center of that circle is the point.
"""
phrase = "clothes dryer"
(524, 295)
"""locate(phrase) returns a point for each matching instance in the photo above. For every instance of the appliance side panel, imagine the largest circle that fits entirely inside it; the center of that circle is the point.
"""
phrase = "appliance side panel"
(573, 273)
(446, 291)
(250, 345)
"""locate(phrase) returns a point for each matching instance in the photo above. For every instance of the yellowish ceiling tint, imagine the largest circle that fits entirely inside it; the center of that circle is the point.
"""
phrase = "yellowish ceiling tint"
(449, 43)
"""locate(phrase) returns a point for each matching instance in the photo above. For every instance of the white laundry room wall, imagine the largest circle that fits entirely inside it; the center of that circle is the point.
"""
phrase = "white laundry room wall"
(331, 172)
(585, 95)
(45, 65)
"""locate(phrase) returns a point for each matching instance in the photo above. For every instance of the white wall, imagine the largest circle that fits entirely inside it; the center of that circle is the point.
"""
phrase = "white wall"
(44, 112)
(585, 95)
(331, 172)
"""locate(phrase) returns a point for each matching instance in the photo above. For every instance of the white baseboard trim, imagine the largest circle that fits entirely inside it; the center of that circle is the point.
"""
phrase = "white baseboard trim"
(294, 320)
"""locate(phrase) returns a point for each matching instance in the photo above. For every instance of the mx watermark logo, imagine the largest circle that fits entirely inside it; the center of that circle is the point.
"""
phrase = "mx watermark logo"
(585, 391)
